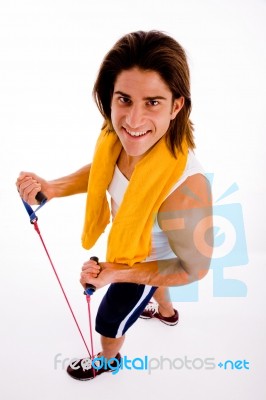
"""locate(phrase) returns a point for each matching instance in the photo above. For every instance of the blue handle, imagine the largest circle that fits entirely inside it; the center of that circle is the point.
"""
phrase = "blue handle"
(41, 198)
(90, 289)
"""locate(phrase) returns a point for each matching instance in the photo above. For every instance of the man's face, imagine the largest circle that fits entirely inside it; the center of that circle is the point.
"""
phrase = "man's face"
(141, 109)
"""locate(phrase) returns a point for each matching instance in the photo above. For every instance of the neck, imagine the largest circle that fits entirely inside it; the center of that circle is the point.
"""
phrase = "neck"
(131, 161)
(127, 163)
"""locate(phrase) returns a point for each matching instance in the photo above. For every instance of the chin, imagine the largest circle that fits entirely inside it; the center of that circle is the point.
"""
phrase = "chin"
(135, 152)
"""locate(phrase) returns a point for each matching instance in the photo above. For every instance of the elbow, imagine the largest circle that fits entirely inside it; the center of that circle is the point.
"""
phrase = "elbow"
(198, 272)
(203, 271)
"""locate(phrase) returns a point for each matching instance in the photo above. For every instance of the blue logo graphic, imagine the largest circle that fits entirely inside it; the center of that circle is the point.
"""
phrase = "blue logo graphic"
(148, 364)
(230, 364)
(229, 250)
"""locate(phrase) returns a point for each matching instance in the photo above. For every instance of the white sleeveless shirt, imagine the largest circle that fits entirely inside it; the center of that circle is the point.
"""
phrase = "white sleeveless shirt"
(160, 246)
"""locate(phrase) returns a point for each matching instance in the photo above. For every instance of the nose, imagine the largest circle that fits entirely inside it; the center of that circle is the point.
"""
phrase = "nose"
(135, 116)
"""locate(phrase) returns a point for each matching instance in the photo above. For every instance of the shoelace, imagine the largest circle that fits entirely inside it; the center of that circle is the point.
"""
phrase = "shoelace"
(153, 307)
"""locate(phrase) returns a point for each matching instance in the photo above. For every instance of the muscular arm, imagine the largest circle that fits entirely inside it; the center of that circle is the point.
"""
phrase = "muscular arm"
(29, 184)
(72, 184)
(186, 219)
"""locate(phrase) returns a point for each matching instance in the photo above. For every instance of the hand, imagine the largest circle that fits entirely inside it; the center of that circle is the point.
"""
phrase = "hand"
(99, 275)
(29, 184)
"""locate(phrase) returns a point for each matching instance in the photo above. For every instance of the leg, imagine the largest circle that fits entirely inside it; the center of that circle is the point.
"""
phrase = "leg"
(111, 346)
(161, 295)
(119, 309)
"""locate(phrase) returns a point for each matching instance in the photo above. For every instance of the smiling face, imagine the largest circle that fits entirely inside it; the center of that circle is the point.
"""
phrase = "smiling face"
(142, 107)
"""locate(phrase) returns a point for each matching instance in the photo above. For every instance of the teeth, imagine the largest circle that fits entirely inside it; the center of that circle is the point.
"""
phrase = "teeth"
(136, 133)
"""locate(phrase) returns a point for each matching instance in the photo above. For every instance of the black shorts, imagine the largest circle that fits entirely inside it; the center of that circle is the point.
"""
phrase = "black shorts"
(120, 308)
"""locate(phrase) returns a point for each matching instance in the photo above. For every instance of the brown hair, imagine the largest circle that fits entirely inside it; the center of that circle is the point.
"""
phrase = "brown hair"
(156, 51)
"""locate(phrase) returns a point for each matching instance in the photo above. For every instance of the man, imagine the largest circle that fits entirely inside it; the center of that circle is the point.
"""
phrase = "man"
(161, 231)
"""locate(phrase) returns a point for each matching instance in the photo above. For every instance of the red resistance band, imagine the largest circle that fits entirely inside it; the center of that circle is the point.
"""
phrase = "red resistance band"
(89, 290)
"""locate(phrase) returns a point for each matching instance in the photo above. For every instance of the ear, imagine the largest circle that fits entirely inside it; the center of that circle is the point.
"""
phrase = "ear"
(177, 106)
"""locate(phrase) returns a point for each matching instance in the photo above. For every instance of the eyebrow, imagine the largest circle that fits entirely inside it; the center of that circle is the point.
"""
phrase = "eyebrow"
(145, 98)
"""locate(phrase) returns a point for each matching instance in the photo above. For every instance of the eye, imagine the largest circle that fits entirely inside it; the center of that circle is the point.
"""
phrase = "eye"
(124, 100)
(153, 103)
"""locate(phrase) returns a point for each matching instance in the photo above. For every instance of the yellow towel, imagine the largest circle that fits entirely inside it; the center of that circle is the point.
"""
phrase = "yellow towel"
(129, 239)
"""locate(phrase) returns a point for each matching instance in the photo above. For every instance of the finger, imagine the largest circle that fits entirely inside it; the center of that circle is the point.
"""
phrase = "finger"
(20, 182)
(29, 189)
(26, 182)
(89, 272)
(25, 176)
(87, 278)
(91, 265)
(22, 176)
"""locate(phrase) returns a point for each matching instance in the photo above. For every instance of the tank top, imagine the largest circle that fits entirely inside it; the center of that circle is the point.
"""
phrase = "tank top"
(160, 246)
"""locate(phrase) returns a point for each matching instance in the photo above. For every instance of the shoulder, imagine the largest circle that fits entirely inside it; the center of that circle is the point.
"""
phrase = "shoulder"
(193, 193)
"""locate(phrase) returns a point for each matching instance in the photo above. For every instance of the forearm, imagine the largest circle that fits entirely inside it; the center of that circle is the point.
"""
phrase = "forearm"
(71, 184)
(159, 273)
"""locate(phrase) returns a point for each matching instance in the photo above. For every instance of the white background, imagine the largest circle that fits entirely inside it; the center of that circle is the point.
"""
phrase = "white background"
(50, 53)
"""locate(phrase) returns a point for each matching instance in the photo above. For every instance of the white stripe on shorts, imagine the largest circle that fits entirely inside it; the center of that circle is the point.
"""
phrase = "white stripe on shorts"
(121, 327)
